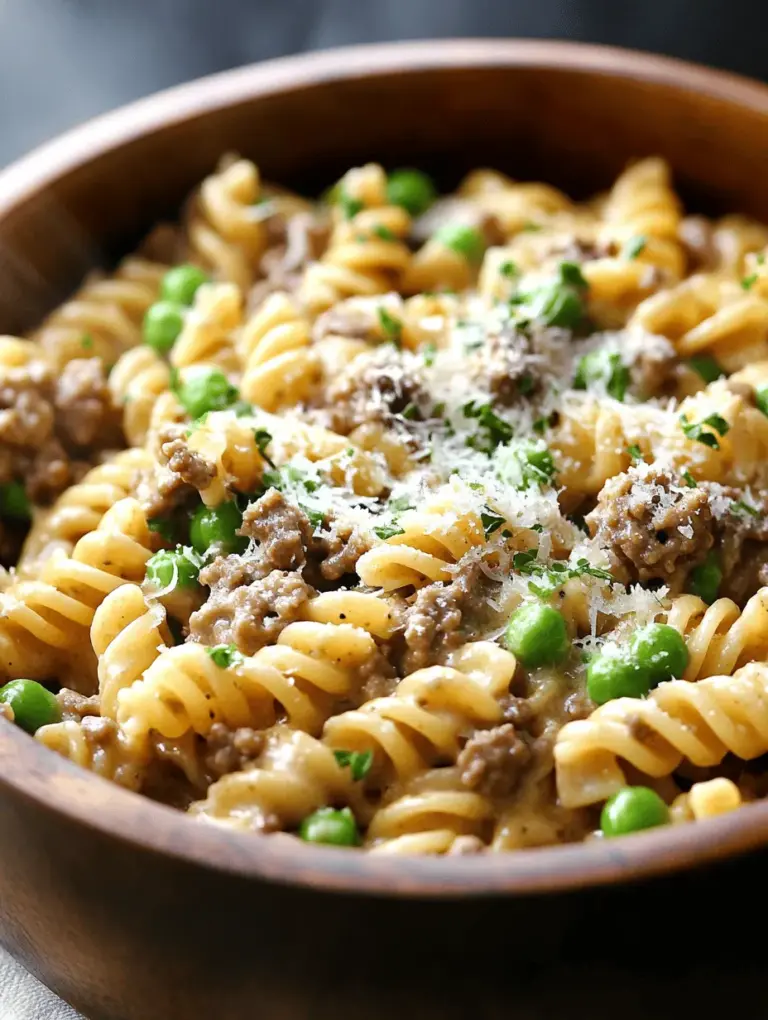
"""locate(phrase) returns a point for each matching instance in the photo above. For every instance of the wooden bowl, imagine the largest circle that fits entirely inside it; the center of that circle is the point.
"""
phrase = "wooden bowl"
(132, 911)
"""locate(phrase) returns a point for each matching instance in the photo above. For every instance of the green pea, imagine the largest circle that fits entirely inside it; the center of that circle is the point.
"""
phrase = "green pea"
(163, 322)
(181, 283)
(14, 502)
(462, 239)
(632, 809)
(411, 189)
(705, 579)
(661, 650)
(603, 367)
(216, 528)
(178, 567)
(33, 705)
(206, 389)
(327, 825)
(707, 367)
(537, 635)
(611, 676)
(761, 399)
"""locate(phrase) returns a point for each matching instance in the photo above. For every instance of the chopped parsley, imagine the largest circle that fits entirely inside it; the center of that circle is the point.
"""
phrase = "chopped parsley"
(350, 207)
(635, 453)
(161, 527)
(430, 352)
(530, 227)
(605, 368)
(87, 342)
(411, 412)
(689, 480)
(316, 517)
(391, 326)
(509, 269)
(748, 282)
(525, 384)
(707, 367)
(559, 302)
(358, 762)
(635, 246)
(384, 233)
(386, 531)
(697, 431)
(491, 521)
(399, 504)
(263, 439)
(739, 507)
(555, 574)
(492, 430)
(541, 425)
(225, 656)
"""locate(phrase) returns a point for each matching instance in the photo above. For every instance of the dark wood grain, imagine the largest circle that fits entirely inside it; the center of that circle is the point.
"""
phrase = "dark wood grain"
(130, 910)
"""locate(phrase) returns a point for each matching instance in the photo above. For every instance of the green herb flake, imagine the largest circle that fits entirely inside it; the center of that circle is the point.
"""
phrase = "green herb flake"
(358, 762)
(411, 412)
(491, 522)
(399, 504)
(350, 207)
(161, 527)
(263, 439)
(689, 480)
(493, 430)
(391, 326)
(635, 246)
(704, 431)
(385, 531)
(509, 270)
(87, 342)
(706, 367)
(525, 384)
(384, 233)
(748, 282)
(635, 453)
(225, 656)
(739, 507)
(429, 352)
(555, 575)
(316, 517)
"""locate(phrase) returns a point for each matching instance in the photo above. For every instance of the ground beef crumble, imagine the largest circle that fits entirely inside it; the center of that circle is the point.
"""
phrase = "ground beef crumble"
(249, 616)
(492, 761)
(52, 430)
(653, 526)
(176, 484)
(741, 540)
(76, 707)
(338, 551)
(229, 750)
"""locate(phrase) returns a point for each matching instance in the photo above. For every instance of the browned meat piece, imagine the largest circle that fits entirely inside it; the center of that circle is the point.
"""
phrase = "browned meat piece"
(655, 372)
(76, 707)
(742, 541)
(231, 750)
(282, 530)
(377, 678)
(44, 425)
(191, 467)
(372, 391)
(518, 366)
(492, 761)
(232, 571)
(338, 553)
(84, 409)
(652, 527)
(253, 615)
(439, 620)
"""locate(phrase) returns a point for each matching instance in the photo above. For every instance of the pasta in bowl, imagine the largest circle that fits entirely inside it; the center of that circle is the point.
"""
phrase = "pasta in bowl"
(426, 524)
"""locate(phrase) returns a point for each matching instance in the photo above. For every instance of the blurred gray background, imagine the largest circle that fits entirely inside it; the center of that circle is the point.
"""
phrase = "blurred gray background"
(62, 61)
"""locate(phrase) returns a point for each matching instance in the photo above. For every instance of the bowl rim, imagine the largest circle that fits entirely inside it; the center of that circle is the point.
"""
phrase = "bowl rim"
(48, 782)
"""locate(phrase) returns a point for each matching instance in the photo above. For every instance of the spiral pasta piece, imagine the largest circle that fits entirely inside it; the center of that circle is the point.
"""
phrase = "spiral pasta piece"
(295, 776)
(104, 317)
(81, 508)
(419, 725)
(207, 336)
(431, 542)
(720, 637)
(309, 666)
(43, 622)
(226, 231)
(127, 635)
(138, 379)
(366, 254)
(279, 365)
(698, 722)
(105, 755)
